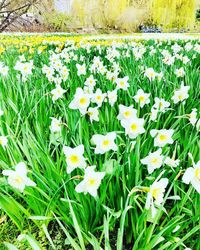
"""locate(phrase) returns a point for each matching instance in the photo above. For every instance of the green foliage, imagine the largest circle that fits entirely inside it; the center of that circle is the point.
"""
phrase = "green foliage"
(198, 14)
(57, 21)
(114, 219)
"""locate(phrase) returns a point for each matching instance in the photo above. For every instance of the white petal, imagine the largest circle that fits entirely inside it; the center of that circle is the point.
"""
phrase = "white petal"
(80, 149)
(196, 185)
(150, 169)
(153, 132)
(67, 150)
(29, 182)
(21, 168)
(93, 192)
(112, 135)
(164, 182)
(7, 172)
(188, 175)
(80, 187)
(148, 201)
(96, 138)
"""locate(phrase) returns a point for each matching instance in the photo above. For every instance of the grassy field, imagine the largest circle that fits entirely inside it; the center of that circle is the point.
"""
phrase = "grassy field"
(99, 144)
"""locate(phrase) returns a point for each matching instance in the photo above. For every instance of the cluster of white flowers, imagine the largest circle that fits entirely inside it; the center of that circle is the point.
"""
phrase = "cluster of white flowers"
(92, 179)
(88, 99)
(101, 85)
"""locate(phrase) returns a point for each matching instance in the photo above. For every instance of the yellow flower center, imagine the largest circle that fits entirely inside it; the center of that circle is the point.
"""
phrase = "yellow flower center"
(18, 179)
(98, 98)
(197, 173)
(74, 159)
(155, 192)
(180, 97)
(91, 182)
(134, 127)
(82, 101)
(154, 160)
(106, 142)
(141, 98)
(127, 113)
(163, 137)
(122, 84)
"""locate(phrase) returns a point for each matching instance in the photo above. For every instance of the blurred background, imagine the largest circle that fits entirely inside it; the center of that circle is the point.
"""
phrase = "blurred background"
(100, 16)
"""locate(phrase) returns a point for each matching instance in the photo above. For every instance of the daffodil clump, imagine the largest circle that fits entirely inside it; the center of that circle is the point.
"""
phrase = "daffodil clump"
(102, 140)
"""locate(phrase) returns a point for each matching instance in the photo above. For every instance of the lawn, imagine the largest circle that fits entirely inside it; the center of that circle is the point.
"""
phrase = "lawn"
(99, 143)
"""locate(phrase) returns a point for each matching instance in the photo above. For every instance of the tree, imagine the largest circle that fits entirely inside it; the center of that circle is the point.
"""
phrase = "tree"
(10, 11)
(174, 13)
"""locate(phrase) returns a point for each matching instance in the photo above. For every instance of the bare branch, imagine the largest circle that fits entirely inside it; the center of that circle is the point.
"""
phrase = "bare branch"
(9, 14)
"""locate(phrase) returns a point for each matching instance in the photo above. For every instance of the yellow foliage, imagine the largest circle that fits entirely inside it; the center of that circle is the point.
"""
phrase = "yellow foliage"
(106, 13)
(168, 13)
(131, 18)
(174, 13)
(114, 8)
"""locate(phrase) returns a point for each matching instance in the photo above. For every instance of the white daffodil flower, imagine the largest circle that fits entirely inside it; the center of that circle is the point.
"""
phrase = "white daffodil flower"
(74, 157)
(3, 69)
(156, 195)
(133, 126)
(181, 94)
(142, 98)
(81, 101)
(81, 69)
(112, 76)
(122, 83)
(126, 112)
(176, 48)
(168, 59)
(154, 114)
(55, 125)
(188, 46)
(98, 97)
(112, 97)
(104, 143)
(90, 82)
(192, 175)
(18, 178)
(185, 60)
(180, 72)
(153, 160)
(3, 141)
(162, 137)
(171, 162)
(93, 114)
(193, 117)
(150, 74)
(161, 104)
(57, 93)
(91, 182)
